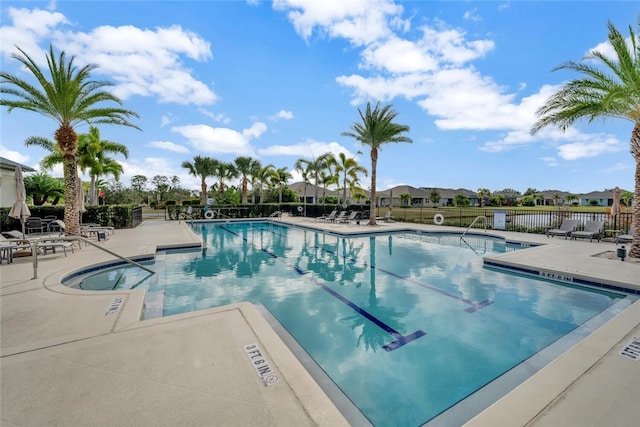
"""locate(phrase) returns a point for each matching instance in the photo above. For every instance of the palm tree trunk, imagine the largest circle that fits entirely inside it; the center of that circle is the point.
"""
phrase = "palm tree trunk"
(244, 190)
(635, 151)
(71, 212)
(92, 190)
(374, 164)
(203, 192)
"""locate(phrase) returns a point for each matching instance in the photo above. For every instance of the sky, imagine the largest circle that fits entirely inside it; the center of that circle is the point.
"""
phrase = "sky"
(282, 80)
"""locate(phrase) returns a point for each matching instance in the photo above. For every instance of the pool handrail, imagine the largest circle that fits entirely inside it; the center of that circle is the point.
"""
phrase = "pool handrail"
(34, 252)
(473, 222)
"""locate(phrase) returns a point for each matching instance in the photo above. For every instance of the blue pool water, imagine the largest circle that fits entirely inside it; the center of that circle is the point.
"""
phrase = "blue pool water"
(405, 324)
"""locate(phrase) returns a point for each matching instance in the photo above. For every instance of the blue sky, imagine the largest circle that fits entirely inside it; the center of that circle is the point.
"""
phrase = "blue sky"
(282, 80)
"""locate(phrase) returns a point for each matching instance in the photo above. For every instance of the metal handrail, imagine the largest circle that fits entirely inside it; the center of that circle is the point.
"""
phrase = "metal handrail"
(34, 251)
(473, 222)
(276, 214)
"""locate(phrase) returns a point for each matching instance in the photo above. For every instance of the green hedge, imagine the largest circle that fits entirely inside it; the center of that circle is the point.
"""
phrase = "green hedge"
(117, 216)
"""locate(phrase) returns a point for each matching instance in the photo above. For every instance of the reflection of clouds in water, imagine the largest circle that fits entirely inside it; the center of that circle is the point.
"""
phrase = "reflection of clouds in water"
(461, 350)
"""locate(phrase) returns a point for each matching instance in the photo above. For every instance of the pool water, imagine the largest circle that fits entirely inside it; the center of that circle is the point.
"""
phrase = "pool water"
(405, 324)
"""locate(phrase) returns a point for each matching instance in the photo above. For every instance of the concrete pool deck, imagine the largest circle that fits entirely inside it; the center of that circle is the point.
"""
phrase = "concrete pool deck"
(71, 357)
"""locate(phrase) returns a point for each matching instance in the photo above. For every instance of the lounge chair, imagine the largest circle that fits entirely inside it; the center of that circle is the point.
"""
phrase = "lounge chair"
(329, 217)
(386, 217)
(9, 246)
(592, 229)
(351, 217)
(625, 238)
(340, 217)
(47, 244)
(566, 228)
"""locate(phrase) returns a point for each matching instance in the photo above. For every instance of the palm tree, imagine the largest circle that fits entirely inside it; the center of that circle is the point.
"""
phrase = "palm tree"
(315, 167)
(41, 187)
(244, 166)
(224, 172)
(202, 167)
(262, 177)
(405, 199)
(70, 98)
(349, 168)
(327, 178)
(377, 128)
(279, 178)
(92, 156)
(609, 91)
(482, 193)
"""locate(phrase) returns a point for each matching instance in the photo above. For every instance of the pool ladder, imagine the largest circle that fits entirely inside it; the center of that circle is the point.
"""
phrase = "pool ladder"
(473, 222)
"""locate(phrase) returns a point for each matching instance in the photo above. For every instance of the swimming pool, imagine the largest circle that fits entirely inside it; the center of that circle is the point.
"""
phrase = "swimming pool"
(407, 325)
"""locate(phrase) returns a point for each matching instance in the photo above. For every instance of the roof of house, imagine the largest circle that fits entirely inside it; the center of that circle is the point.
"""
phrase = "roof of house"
(11, 165)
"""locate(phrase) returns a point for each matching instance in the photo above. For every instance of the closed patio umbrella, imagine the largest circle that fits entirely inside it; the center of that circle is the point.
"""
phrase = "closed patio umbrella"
(20, 210)
(615, 207)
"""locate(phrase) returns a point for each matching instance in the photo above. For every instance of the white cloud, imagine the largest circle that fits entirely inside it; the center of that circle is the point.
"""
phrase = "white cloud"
(617, 167)
(29, 28)
(591, 146)
(169, 146)
(14, 155)
(359, 21)
(307, 149)
(550, 161)
(144, 62)
(472, 15)
(209, 139)
(216, 117)
(282, 115)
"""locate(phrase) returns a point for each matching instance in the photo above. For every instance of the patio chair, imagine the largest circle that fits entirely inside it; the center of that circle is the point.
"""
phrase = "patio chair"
(592, 229)
(566, 228)
(329, 217)
(9, 246)
(625, 238)
(351, 217)
(34, 224)
(341, 217)
(386, 217)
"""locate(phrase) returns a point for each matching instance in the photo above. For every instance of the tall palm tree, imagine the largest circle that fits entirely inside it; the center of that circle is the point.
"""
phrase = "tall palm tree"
(610, 90)
(201, 167)
(92, 156)
(224, 172)
(70, 97)
(377, 128)
(349, 168)
(244, 166)
(279, 178)
(315, 167)
(305, 173)
(262, 177)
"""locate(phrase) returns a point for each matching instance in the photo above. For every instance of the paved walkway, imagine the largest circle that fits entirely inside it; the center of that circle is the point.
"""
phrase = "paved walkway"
(77, 358)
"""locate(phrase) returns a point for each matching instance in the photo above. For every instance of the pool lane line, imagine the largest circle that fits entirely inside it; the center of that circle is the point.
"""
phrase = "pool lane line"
(475, 306)
(394, 345)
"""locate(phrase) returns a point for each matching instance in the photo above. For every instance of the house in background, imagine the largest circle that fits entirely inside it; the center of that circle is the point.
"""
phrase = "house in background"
(7, 184)
(598, 198)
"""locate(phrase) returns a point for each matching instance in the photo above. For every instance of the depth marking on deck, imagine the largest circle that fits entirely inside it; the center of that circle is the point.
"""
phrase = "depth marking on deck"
(260, 363)
(400, 338)
(115, 305)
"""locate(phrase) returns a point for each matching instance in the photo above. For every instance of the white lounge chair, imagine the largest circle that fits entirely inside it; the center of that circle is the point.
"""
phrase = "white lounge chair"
(592, 229)
(566, 228)
(341, 217)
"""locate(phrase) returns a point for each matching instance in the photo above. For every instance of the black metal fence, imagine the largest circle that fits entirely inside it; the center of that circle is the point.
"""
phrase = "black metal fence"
(521, 220)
